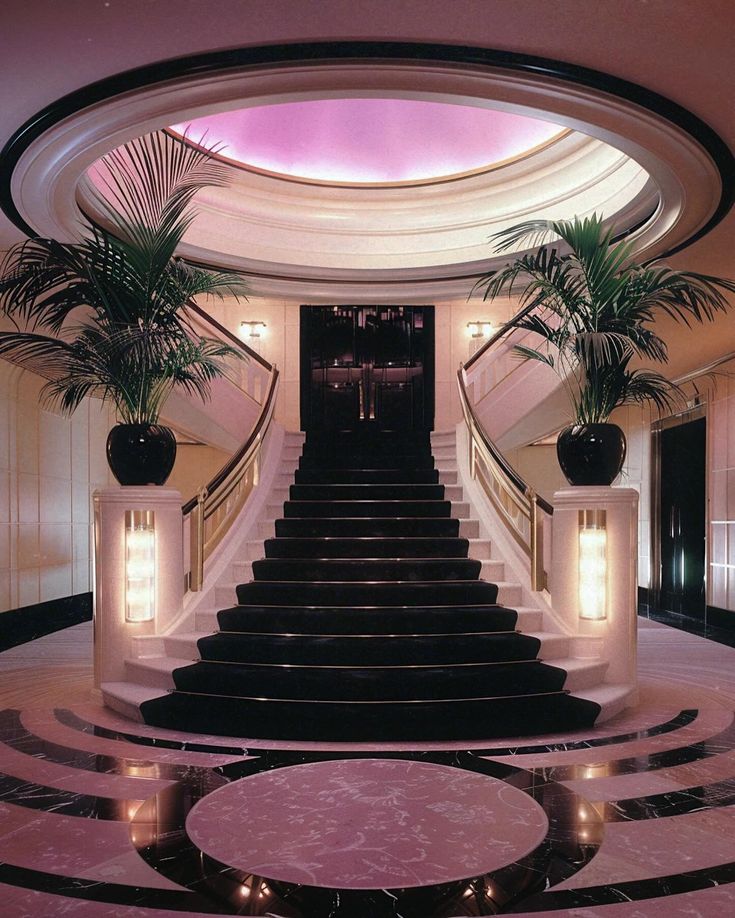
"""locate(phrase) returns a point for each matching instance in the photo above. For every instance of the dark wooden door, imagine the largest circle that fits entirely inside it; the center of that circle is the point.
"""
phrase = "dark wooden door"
(683, 519)
(367, 365)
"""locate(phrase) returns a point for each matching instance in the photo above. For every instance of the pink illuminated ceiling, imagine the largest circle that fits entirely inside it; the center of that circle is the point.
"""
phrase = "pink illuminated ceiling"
(369, 140)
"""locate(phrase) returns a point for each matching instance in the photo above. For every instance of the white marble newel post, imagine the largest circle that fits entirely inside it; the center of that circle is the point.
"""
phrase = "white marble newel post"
(113, 635)
(613, 638)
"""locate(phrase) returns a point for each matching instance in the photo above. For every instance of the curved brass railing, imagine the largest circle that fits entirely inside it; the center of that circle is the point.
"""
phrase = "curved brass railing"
(517, 504)
(211, 513)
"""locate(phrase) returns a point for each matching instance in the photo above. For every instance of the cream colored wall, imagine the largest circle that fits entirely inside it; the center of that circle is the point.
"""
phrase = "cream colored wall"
(539, 468)
(195, 465)
(721, 492)
(636, 423)
(49, 466)
(280, 345)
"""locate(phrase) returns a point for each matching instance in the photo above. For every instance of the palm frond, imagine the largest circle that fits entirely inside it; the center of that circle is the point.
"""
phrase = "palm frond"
(117, 298)
(531, 353)
(594, 308)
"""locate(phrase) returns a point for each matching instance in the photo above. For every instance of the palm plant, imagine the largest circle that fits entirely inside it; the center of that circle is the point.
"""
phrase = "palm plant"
(594, 309)
(105, 316)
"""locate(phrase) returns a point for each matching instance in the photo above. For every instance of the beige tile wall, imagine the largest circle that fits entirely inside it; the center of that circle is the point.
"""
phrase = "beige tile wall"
(49, 465)
(721, 493)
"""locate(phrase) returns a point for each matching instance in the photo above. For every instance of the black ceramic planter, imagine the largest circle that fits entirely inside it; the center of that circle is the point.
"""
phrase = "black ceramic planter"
(591, 454)
(141, 454)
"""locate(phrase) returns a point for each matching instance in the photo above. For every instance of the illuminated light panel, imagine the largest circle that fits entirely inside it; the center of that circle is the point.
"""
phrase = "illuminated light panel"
(592, 565)
(140, 566)
(369, 140)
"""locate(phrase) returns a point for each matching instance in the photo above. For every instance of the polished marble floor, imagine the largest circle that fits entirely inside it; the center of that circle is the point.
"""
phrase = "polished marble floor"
(102, 817)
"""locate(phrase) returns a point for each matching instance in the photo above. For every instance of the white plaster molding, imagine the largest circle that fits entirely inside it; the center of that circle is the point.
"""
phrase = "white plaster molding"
(46, 179)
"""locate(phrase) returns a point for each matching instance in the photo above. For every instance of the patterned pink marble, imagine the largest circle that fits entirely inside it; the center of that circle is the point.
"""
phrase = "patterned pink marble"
(46, 726)
(18, 902)
(367, 824)
(706, 724)
(638, 850)
(622, 787)
(65, 777)
(94, 849)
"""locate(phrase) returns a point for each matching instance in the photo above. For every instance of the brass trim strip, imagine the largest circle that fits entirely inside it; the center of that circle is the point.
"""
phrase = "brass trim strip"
(369, 666)
(391, 701)
(405, 634)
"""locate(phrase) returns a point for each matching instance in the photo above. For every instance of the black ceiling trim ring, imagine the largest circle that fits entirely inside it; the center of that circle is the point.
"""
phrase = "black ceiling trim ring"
(354, 52)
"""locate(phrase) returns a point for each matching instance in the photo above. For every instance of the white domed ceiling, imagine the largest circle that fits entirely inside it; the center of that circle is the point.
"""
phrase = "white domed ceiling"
(369, 141)
(380, 176)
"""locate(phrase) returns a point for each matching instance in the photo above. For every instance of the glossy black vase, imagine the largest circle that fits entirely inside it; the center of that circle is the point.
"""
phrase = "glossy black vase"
(141, 454)
(591, 454)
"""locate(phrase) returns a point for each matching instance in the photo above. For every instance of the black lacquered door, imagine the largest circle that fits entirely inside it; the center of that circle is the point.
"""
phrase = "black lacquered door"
(367, 365)
(682, 518)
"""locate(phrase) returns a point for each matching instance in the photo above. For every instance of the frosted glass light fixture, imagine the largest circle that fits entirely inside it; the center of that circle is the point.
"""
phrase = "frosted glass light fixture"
(592, 565)
(140, 566)
(252, 328)
(480, 329)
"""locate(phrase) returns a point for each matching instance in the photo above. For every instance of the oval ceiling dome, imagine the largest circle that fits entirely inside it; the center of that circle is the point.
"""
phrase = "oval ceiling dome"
(369, 141)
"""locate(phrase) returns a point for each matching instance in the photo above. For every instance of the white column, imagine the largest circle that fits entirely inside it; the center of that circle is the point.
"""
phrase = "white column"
(613, 638)
(113, 635)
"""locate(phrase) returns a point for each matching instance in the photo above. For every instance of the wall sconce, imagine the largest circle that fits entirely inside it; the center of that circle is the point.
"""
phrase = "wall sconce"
(252, 329)
(140, 566)
(480, 329)
(592, 565)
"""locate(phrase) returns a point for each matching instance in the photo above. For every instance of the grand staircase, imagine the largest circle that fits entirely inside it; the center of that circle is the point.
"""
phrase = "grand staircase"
(367, 620)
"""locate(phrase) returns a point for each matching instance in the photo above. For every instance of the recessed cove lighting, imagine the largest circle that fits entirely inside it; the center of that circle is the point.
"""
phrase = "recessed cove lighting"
(369, 141)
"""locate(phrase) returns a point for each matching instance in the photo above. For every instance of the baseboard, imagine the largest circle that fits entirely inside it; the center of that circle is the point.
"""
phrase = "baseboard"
(721, 618)
(717, 625)
(18, 626)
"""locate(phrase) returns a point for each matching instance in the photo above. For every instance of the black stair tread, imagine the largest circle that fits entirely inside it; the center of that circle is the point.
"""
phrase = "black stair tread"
(340, 492)
(369, 683)
(366, 547)
(360, 526)
(366, 620)
(377, 461)
(425, 618)
(366, 508)
(373, 721)
(349, 594)
(370, 437)
(367, 447)
(367, 476)
(375, 650)
(366, 569)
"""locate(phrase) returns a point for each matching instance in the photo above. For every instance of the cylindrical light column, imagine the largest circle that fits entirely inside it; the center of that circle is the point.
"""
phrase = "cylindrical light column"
(139, 572)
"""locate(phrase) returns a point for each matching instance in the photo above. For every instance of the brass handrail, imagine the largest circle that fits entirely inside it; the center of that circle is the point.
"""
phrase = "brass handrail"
(213, 510)
(517, 504)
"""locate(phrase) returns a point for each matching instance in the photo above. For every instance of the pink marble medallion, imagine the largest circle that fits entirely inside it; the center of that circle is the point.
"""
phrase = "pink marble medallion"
(367, 824)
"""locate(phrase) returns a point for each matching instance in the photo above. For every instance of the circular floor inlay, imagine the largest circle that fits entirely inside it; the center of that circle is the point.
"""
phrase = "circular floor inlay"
(367, 824)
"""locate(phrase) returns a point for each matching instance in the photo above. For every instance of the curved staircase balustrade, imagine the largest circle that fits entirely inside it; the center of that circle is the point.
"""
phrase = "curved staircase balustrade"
(209, 515)
(517, 504)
